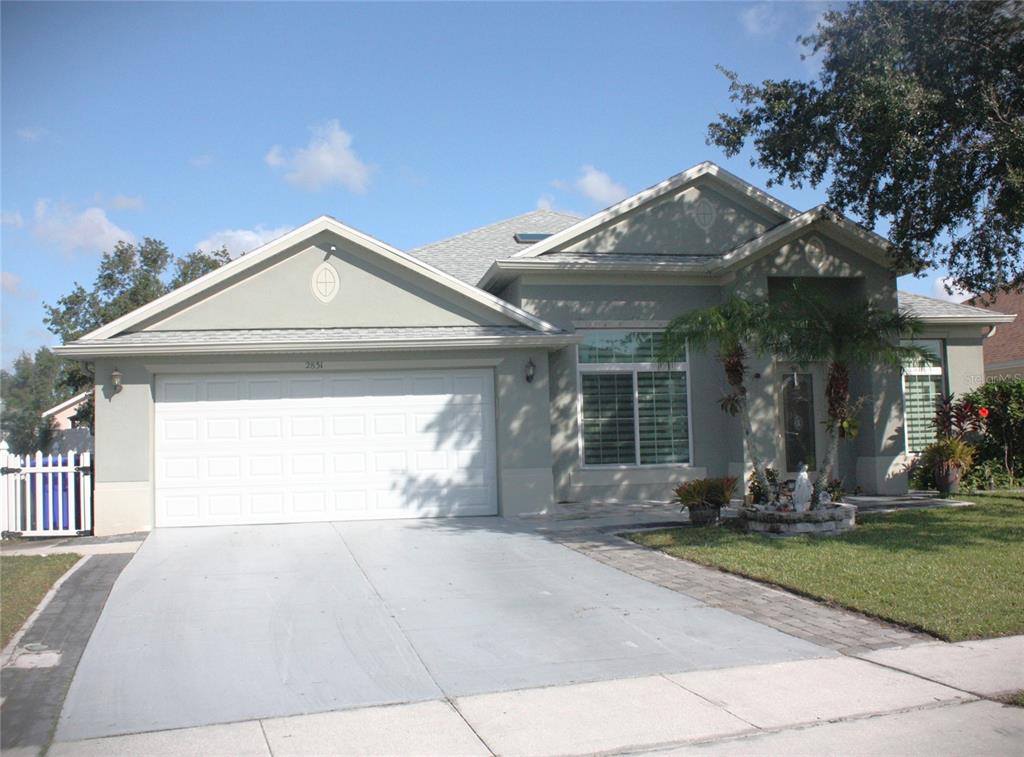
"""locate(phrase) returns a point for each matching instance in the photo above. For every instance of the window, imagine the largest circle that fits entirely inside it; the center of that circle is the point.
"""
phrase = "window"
(798, 413)
(633, 410)
(923, 386)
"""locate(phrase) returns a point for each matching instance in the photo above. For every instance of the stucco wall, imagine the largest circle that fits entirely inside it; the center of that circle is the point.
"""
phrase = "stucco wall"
(613, 305)
(372, 292)
(124, 423)
(669, 225)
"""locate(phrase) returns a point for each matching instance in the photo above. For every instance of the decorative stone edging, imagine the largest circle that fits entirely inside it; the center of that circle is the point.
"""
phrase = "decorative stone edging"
(829, 520)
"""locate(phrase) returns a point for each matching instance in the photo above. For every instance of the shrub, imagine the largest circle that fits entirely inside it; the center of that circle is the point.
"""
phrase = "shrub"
(1003, 423)
(987, 476)
(835, 489)
(756, 492)
(956, 419)
(705, 492)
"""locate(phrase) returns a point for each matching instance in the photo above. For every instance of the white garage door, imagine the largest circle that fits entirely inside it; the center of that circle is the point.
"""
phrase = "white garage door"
(275, 448)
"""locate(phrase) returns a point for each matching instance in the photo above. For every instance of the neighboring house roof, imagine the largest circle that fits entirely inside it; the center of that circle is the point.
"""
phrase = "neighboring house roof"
(651, 194)
(469, 255)
(297, 340)
(67, 404)
(931, 310)
(195, 289)
(1005, 348)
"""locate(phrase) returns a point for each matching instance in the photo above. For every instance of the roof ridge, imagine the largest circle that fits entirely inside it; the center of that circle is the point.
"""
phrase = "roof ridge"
(495, 223)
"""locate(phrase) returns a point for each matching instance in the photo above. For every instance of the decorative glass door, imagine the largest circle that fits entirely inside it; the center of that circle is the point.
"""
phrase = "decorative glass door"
(798, 421)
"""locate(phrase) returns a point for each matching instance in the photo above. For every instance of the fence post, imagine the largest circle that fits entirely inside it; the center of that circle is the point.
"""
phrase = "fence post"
(7, 499)
(86, 480)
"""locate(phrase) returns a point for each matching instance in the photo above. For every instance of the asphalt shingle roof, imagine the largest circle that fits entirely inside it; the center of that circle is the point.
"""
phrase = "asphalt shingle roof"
(920, 306)
(467, 256)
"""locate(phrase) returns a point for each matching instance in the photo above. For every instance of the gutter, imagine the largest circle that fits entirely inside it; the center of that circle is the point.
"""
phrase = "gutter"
(103, 348)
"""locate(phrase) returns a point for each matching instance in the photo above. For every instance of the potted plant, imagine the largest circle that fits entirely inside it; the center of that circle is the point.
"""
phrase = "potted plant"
(948, 458)
(704, 498)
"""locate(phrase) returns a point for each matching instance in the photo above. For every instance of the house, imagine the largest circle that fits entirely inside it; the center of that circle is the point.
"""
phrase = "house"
(1004, 349)
(64, 413)
(329, 376)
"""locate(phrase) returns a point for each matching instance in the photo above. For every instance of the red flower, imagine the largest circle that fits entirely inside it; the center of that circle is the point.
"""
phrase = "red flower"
(983, 412)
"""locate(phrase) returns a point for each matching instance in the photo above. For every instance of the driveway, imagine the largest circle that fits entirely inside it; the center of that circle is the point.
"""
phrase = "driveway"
(220, 624)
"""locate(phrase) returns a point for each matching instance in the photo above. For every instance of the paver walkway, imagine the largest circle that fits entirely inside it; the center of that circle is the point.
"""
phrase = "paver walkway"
(842, 630)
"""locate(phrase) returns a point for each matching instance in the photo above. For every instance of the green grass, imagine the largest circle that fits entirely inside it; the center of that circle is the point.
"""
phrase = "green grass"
(24, 581)
(957, 573)
(1016, 698)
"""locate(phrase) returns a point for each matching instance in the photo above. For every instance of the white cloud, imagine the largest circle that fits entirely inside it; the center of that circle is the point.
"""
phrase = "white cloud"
(27, 134)
(10, 283)
(939, 290)
(89, 230)
(124, 202)
(327, 159)
(201, 161)
(761, 20)
(239, 241)
(12, 218)
(599, 186)
(545, 202)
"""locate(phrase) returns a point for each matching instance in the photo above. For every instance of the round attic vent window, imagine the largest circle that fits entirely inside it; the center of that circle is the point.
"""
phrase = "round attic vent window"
(704, 214)
(814, 249)
(325, 282)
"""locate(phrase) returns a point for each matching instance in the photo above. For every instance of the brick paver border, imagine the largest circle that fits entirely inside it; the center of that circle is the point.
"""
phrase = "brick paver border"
(845, 631)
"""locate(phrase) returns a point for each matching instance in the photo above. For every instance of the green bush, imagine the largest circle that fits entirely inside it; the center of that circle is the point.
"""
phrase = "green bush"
(1003, 437)
(989, 475)
(756, 492)
(705, 492)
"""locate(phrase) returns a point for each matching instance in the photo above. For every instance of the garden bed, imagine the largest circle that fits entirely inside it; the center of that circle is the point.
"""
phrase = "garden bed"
(823, 521)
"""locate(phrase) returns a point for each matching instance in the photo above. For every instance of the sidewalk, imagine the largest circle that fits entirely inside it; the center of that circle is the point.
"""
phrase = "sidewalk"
(922, 699)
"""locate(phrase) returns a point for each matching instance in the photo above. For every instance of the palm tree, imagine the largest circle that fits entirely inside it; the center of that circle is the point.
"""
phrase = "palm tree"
(808, 327)
(736, 326)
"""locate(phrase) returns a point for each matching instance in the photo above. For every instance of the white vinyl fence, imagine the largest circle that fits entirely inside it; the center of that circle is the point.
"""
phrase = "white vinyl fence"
(45, 495)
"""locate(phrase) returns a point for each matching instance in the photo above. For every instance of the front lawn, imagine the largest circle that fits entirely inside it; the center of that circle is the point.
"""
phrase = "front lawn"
(957, 573)
(24, 581)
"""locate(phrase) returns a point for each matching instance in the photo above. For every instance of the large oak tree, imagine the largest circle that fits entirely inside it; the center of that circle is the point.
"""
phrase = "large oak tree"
(129, 276)
(916, 117)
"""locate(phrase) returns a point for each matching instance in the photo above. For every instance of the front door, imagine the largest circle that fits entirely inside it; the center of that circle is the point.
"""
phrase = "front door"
(799, 427)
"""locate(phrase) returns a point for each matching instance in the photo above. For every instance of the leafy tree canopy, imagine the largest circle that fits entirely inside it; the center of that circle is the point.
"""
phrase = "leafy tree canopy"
(917, 117)
(129, 276)
(32, 386)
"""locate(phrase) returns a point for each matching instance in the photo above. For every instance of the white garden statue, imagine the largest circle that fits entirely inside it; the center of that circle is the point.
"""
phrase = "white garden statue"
(802, 491)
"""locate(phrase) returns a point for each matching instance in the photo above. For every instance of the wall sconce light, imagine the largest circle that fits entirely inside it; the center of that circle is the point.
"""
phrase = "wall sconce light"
(115, 379)
(531, 371)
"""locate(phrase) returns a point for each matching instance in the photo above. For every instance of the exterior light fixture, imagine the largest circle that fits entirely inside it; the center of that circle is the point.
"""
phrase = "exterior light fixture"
(115, 379)
(531, 371)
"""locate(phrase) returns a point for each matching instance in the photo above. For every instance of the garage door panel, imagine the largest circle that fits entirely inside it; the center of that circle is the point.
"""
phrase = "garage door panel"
(276, 448)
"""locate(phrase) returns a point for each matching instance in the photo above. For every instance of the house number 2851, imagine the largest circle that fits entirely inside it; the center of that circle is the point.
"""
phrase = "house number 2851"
(314, 365)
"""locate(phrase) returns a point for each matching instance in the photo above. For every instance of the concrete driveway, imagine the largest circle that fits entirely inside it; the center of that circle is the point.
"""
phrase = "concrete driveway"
(220, 624)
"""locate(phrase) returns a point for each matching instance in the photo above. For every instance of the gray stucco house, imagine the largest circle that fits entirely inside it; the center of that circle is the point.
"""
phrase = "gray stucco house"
(329, 376)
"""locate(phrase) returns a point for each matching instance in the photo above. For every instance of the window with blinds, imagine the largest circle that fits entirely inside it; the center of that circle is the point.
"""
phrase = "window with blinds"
(633, 410)
(923, 386)
(920, 395)
(608, 427)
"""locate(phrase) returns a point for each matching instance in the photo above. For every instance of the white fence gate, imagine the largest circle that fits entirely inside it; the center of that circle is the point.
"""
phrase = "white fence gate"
(45, 495)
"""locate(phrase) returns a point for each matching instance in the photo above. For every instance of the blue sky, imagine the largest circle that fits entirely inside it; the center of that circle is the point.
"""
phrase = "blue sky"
(201, 123)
